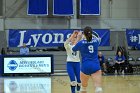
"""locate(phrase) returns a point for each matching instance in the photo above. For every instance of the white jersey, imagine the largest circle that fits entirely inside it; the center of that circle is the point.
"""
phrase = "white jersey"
(71, 55)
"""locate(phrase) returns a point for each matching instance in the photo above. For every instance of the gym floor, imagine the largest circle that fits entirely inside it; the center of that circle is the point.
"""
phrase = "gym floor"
(60, 84)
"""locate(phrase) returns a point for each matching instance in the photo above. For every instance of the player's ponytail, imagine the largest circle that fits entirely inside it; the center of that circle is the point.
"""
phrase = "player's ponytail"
(88, 33)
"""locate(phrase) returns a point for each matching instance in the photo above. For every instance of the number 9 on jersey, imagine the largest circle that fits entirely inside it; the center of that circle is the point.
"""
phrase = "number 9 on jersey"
(91, 48)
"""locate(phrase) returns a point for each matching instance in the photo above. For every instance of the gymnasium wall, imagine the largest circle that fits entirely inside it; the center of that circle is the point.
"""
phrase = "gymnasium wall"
(116, 15)
(3, 40)
(1, 7)
(113, 9)
(1, 25)
(125, 9)
(139, 7)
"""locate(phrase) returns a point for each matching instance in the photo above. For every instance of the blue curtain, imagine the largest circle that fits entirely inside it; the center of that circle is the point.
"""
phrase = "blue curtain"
(37, 7)
(63, 7)
(89, 7)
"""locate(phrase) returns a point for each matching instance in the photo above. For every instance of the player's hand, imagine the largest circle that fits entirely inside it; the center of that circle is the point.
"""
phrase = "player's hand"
(79, 36)
(74, 34)
(75, 31)
(118, 62)
(80, 33)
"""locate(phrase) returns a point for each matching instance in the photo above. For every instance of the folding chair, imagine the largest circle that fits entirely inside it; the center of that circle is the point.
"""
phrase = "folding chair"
(110, 67)
(110, 61)
(132, 64)
(138, 64)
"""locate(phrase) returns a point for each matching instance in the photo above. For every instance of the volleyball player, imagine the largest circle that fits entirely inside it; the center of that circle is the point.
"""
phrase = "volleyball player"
(90, 63)
(73, 63)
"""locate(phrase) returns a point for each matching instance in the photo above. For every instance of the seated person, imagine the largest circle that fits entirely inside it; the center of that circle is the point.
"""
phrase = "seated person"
(24, 50)
(102, 62)
(119, 63)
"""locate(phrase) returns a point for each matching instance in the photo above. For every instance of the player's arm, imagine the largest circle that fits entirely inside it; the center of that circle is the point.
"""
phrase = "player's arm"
(79, 37)
(69, 39)
(66, 43)
(123, 59)
(117, 60)
(77, 46)
(77, 42)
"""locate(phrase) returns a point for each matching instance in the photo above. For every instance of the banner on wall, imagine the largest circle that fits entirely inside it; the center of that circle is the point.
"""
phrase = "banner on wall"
(48, 38)
(133, 37)
(63, 7)
(90, 7)
(37, 7)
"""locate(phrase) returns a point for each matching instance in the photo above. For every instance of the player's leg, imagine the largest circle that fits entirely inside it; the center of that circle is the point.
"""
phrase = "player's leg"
(122, 66)
(77, 73)
(84, 81)
(97, 77)
(117, 67)
(71, 74)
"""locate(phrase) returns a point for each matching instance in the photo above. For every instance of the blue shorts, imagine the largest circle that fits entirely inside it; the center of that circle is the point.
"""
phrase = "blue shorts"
(90, 67)
(73, 69)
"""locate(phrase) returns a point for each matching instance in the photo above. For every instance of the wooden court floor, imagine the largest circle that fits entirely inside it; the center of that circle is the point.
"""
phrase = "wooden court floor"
(60, 84)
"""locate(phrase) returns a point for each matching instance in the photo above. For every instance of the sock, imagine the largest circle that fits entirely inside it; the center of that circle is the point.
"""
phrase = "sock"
(72, 89)
(78, 87)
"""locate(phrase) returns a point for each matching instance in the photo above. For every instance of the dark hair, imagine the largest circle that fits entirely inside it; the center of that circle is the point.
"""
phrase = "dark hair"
(88, 33)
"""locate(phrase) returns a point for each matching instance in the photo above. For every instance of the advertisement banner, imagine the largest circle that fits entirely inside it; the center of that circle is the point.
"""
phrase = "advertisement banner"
(27, 65)
(48, 38)
(133, 37)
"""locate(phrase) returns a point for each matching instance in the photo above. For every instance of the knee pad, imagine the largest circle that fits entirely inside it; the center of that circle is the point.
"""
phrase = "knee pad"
(83, 88)
(73, 83)
(98, 90)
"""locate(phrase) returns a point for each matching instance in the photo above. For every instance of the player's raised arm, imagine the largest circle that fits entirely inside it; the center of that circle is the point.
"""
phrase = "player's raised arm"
(73, 35)
(79, 37)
